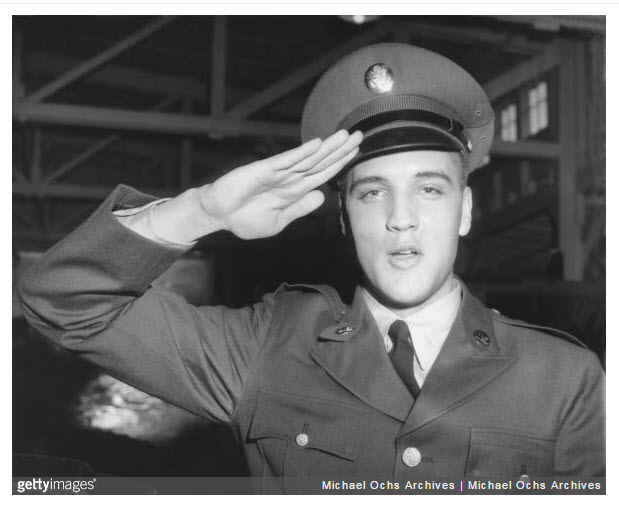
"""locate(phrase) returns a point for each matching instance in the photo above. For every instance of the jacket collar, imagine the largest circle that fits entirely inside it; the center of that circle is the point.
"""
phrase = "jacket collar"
(352, 352)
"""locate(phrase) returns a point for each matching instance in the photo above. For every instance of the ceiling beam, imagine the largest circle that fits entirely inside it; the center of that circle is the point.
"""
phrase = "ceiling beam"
(526, 149)
(187, 124)
(96, 148)
(588, 23)
(146, 82)
(516, 44)
(305, 73)
(167, 123)
(205, 159)
(523, 72)
(119, 77)
(98, 60)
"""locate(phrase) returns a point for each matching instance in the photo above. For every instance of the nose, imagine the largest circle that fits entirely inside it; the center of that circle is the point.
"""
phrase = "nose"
(402, 215)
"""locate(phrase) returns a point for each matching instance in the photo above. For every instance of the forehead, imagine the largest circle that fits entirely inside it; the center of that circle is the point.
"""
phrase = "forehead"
(399, 166)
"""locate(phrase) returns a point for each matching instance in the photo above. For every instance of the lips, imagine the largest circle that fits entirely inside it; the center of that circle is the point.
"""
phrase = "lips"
(404, 256)
(404, 250)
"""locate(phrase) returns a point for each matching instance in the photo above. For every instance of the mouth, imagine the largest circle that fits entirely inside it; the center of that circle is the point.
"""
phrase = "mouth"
(405, 250)
(404, 256)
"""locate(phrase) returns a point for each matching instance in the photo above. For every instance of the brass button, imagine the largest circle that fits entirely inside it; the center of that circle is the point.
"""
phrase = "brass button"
(411, 456)
(302, 439)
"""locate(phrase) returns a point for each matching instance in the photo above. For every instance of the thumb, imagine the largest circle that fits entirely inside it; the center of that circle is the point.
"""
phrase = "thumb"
(305, 205)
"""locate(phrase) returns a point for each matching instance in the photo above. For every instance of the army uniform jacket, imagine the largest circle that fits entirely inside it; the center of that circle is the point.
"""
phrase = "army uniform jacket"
(306, 380)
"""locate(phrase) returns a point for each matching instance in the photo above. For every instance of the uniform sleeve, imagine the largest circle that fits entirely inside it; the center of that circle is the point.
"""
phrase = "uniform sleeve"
(580, 445)
(91, 293)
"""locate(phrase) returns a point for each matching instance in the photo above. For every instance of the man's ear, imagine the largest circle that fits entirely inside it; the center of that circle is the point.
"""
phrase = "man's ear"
(467, 211)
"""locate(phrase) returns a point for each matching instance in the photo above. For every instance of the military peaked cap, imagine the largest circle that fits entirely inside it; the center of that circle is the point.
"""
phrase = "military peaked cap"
(402, 98)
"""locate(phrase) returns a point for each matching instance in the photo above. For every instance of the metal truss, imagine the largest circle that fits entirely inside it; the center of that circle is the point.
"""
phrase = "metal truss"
(43, 183)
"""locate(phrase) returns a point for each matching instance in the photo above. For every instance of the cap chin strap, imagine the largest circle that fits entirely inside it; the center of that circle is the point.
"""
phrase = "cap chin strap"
(343, 214)
(411, 118)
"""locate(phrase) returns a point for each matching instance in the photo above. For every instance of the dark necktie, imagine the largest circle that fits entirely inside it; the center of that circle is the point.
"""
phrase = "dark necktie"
(403, 355)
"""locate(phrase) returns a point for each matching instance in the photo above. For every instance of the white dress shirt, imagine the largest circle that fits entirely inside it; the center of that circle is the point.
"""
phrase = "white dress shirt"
(428, 327)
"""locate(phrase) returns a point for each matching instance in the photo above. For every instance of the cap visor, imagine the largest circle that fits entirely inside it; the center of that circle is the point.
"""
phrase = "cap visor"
(409, 138)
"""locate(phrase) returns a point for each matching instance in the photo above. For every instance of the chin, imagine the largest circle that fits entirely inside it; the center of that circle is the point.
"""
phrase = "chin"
(404, 292)
(401, 297)
(405, 299)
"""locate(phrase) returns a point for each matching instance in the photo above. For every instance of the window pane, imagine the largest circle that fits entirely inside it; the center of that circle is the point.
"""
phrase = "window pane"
(543, 115)
(509, 123)
(533, 122)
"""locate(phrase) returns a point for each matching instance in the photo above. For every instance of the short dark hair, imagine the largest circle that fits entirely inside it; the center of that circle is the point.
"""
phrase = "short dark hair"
(340, 181)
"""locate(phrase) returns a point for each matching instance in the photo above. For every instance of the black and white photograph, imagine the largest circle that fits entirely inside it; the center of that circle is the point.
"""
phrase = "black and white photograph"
(309, 253)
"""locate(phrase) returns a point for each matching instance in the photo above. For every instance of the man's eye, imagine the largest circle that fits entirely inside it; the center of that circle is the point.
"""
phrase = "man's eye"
(431, 190)
(371, 194)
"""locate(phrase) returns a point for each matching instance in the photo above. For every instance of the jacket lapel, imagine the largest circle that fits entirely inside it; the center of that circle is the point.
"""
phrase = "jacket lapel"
(353, 354)
(469, 360)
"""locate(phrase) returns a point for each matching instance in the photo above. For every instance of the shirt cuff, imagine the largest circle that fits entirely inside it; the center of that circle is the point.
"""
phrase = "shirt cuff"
(140, 220)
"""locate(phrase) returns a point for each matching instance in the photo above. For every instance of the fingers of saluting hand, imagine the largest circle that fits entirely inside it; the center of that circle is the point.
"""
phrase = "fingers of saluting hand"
(312, 163)
(316, 179)
(336, 154)
(334, 147)
(292, 157)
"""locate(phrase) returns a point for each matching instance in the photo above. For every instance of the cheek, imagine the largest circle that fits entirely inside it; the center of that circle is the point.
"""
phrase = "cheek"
(368, 233)
(445, 220)
(365, 224)
(440, 232)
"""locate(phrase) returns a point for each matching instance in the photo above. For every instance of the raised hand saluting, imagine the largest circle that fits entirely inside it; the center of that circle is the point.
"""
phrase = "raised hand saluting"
(262, 198)
(259, 199)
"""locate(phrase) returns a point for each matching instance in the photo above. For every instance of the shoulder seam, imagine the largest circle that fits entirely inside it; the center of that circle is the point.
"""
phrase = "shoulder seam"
(561, 334)
(330, 293)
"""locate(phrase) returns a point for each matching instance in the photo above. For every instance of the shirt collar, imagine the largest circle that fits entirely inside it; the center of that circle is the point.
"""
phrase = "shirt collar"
(429, 327)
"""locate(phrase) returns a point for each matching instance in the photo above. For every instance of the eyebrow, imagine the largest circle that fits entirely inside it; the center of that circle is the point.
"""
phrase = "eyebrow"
(363, 180)
(428, 174)
(425, 174)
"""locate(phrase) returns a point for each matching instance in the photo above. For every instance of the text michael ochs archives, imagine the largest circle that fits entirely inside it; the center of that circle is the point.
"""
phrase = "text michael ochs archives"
(525, 484)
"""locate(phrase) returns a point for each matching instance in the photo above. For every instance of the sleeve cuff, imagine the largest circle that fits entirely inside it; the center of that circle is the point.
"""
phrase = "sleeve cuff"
(140, 220)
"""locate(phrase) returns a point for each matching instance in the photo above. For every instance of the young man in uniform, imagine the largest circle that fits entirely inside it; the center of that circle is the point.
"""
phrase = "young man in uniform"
(416, 379)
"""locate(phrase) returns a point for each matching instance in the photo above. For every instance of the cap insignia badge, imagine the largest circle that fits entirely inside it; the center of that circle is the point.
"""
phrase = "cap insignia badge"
(379, 78)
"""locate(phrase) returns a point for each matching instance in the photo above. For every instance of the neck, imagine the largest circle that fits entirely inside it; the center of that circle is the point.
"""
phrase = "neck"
(406, 311)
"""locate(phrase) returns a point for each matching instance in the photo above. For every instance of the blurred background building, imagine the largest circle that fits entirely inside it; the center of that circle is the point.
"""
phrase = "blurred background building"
(167, 103)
